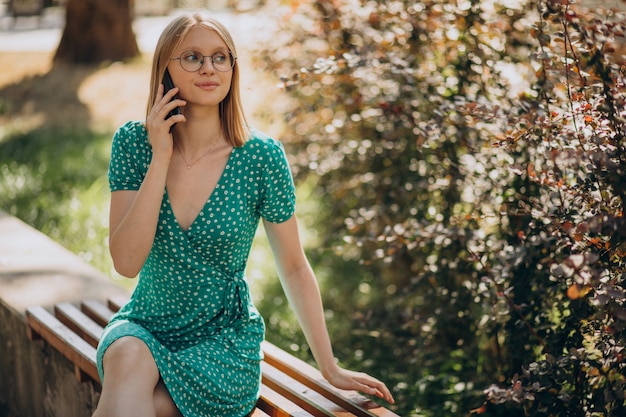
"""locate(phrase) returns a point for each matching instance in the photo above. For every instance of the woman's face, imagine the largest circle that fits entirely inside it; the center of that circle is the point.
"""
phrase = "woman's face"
(207, 86)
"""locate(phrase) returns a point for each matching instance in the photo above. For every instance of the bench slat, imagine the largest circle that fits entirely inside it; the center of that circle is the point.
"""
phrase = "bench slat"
(117, 302)
(259, 413)
(62, 338)
(311, 377)
(278, 406)
(97, 311)
(79, 322)
(301, 395)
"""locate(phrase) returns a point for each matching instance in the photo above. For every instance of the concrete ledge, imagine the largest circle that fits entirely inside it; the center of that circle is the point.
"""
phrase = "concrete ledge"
(36, 380)
(34, 270)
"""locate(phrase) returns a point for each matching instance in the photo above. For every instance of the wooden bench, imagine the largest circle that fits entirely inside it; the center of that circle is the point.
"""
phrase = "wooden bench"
(290, 386)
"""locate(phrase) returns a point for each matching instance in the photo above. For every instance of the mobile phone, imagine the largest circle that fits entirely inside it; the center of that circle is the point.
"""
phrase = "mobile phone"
(168, 85)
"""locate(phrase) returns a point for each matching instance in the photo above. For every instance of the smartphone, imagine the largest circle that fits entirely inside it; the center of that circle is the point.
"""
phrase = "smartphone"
(168, 85)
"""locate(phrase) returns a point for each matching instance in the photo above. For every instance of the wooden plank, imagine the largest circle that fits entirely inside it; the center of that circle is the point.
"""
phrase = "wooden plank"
(276, 405)
(32, 335)
(309, 376)
(117, 302)
(79, 322)
(301, 395)
(257, 412)
(97, 311)
(63, 339)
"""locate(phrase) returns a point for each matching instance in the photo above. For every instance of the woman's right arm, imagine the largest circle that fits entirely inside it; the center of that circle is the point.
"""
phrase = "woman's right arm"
(134, 214)
(133, 220)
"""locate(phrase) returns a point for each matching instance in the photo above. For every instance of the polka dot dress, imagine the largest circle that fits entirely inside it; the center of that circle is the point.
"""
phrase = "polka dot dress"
(192, 304)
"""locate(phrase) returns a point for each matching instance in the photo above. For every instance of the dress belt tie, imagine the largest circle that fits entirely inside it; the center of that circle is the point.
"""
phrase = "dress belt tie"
(236, 300)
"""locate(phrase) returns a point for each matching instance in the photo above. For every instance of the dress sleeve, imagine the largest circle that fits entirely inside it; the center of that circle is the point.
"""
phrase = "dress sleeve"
(130, 157)
(279, 196)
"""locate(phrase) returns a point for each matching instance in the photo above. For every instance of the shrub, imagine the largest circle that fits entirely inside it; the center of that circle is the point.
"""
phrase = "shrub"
(471, 187)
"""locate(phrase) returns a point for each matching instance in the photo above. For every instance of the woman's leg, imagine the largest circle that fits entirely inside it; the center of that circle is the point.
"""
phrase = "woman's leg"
(163, 403)
(131, 384)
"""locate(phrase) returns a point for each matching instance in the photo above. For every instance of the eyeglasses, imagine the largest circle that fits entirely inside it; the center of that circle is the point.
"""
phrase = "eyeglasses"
(192, 61)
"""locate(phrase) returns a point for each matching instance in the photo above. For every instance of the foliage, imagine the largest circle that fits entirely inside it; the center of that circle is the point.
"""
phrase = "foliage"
(46, 182)
(470, 196)
(569, 144)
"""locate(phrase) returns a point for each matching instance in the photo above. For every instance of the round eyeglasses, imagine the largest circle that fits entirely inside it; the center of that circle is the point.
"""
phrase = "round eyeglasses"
(192, 61)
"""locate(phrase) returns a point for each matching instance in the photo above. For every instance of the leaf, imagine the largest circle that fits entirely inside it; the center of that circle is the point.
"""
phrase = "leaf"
(573, 292)
(479, 410)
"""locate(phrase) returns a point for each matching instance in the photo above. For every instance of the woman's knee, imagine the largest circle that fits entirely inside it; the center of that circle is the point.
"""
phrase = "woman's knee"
(129, 356)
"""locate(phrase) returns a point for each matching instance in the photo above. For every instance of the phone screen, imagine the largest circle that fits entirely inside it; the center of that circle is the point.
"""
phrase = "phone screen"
(168, 84)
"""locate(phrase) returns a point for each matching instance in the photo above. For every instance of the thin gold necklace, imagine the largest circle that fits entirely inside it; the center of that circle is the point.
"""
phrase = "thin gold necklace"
(189, 164)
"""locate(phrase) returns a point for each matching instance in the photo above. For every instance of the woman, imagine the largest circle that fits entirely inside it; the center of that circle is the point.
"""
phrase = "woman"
(188, 191)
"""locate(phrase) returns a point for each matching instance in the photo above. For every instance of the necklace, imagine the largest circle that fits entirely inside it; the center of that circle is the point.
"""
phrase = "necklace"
(189, 164)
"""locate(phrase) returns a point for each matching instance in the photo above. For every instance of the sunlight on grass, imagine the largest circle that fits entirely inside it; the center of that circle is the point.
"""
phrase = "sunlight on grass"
(54, 180)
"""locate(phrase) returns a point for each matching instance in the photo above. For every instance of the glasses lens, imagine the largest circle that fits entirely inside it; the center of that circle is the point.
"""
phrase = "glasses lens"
(191, 61)
(222, 61)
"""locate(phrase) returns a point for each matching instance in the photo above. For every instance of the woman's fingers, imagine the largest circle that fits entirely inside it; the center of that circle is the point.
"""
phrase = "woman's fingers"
(363, 382)
(164, 103)
(167, 102)
(159, 125)
(375, 387)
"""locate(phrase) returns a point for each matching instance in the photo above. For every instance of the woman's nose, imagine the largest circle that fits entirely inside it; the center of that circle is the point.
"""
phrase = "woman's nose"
(207, 66)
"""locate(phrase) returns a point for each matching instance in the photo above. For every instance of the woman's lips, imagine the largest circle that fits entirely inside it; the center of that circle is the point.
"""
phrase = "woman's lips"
(207, 85)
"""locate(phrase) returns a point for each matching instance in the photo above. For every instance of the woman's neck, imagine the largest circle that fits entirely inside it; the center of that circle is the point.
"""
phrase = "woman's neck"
(200, 132)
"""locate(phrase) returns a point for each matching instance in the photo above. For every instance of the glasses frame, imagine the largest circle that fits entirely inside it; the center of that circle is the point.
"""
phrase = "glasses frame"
(233, 58)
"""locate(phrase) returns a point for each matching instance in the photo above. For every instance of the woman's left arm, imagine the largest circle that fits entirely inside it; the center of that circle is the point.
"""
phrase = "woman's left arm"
(302, 291)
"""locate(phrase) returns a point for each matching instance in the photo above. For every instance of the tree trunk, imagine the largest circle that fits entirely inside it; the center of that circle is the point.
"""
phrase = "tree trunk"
(97, 31)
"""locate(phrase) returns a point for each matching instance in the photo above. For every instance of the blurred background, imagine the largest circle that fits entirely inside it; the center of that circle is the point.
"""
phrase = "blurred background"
(460, 172)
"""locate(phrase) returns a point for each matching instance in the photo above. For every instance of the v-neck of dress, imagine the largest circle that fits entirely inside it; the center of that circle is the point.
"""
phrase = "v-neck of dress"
(218, 184)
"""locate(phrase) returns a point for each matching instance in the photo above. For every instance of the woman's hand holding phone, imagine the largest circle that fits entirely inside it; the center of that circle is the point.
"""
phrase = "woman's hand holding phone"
(159, 122)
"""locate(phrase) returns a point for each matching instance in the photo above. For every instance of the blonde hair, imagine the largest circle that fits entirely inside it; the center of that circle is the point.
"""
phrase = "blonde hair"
(232, 116)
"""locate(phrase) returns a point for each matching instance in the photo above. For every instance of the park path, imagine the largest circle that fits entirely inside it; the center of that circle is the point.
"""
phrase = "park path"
(32, 34)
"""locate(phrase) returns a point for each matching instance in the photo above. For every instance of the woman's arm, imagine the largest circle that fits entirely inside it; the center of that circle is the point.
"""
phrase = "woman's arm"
(302, 291)
(133, 220)
(134, 214)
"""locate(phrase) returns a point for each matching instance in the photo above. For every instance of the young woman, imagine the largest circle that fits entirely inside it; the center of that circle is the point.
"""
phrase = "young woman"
(188, 192)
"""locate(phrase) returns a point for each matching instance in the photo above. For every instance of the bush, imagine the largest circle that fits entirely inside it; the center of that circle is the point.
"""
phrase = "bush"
(471, 197)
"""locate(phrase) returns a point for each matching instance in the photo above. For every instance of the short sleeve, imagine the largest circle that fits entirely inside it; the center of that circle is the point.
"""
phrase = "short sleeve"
(130, 157)
(279, 197)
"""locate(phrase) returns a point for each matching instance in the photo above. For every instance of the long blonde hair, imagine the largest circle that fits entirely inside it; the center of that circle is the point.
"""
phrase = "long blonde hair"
(232, 116)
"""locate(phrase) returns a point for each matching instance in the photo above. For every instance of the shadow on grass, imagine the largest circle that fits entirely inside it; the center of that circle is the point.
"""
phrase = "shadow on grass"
(49, 100)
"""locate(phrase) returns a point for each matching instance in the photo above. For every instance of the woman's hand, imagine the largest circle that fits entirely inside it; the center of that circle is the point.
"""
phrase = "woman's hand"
(359, 381)
(158, 126)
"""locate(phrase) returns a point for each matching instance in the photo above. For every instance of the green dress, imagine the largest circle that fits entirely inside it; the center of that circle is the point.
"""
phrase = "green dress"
(192, 305)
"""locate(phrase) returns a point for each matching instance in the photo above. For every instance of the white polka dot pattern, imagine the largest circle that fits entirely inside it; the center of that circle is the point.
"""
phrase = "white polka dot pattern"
(192, 304)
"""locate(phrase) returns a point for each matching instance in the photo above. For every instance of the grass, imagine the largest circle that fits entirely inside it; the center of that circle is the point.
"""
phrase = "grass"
(45, 181)
(56, 124)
